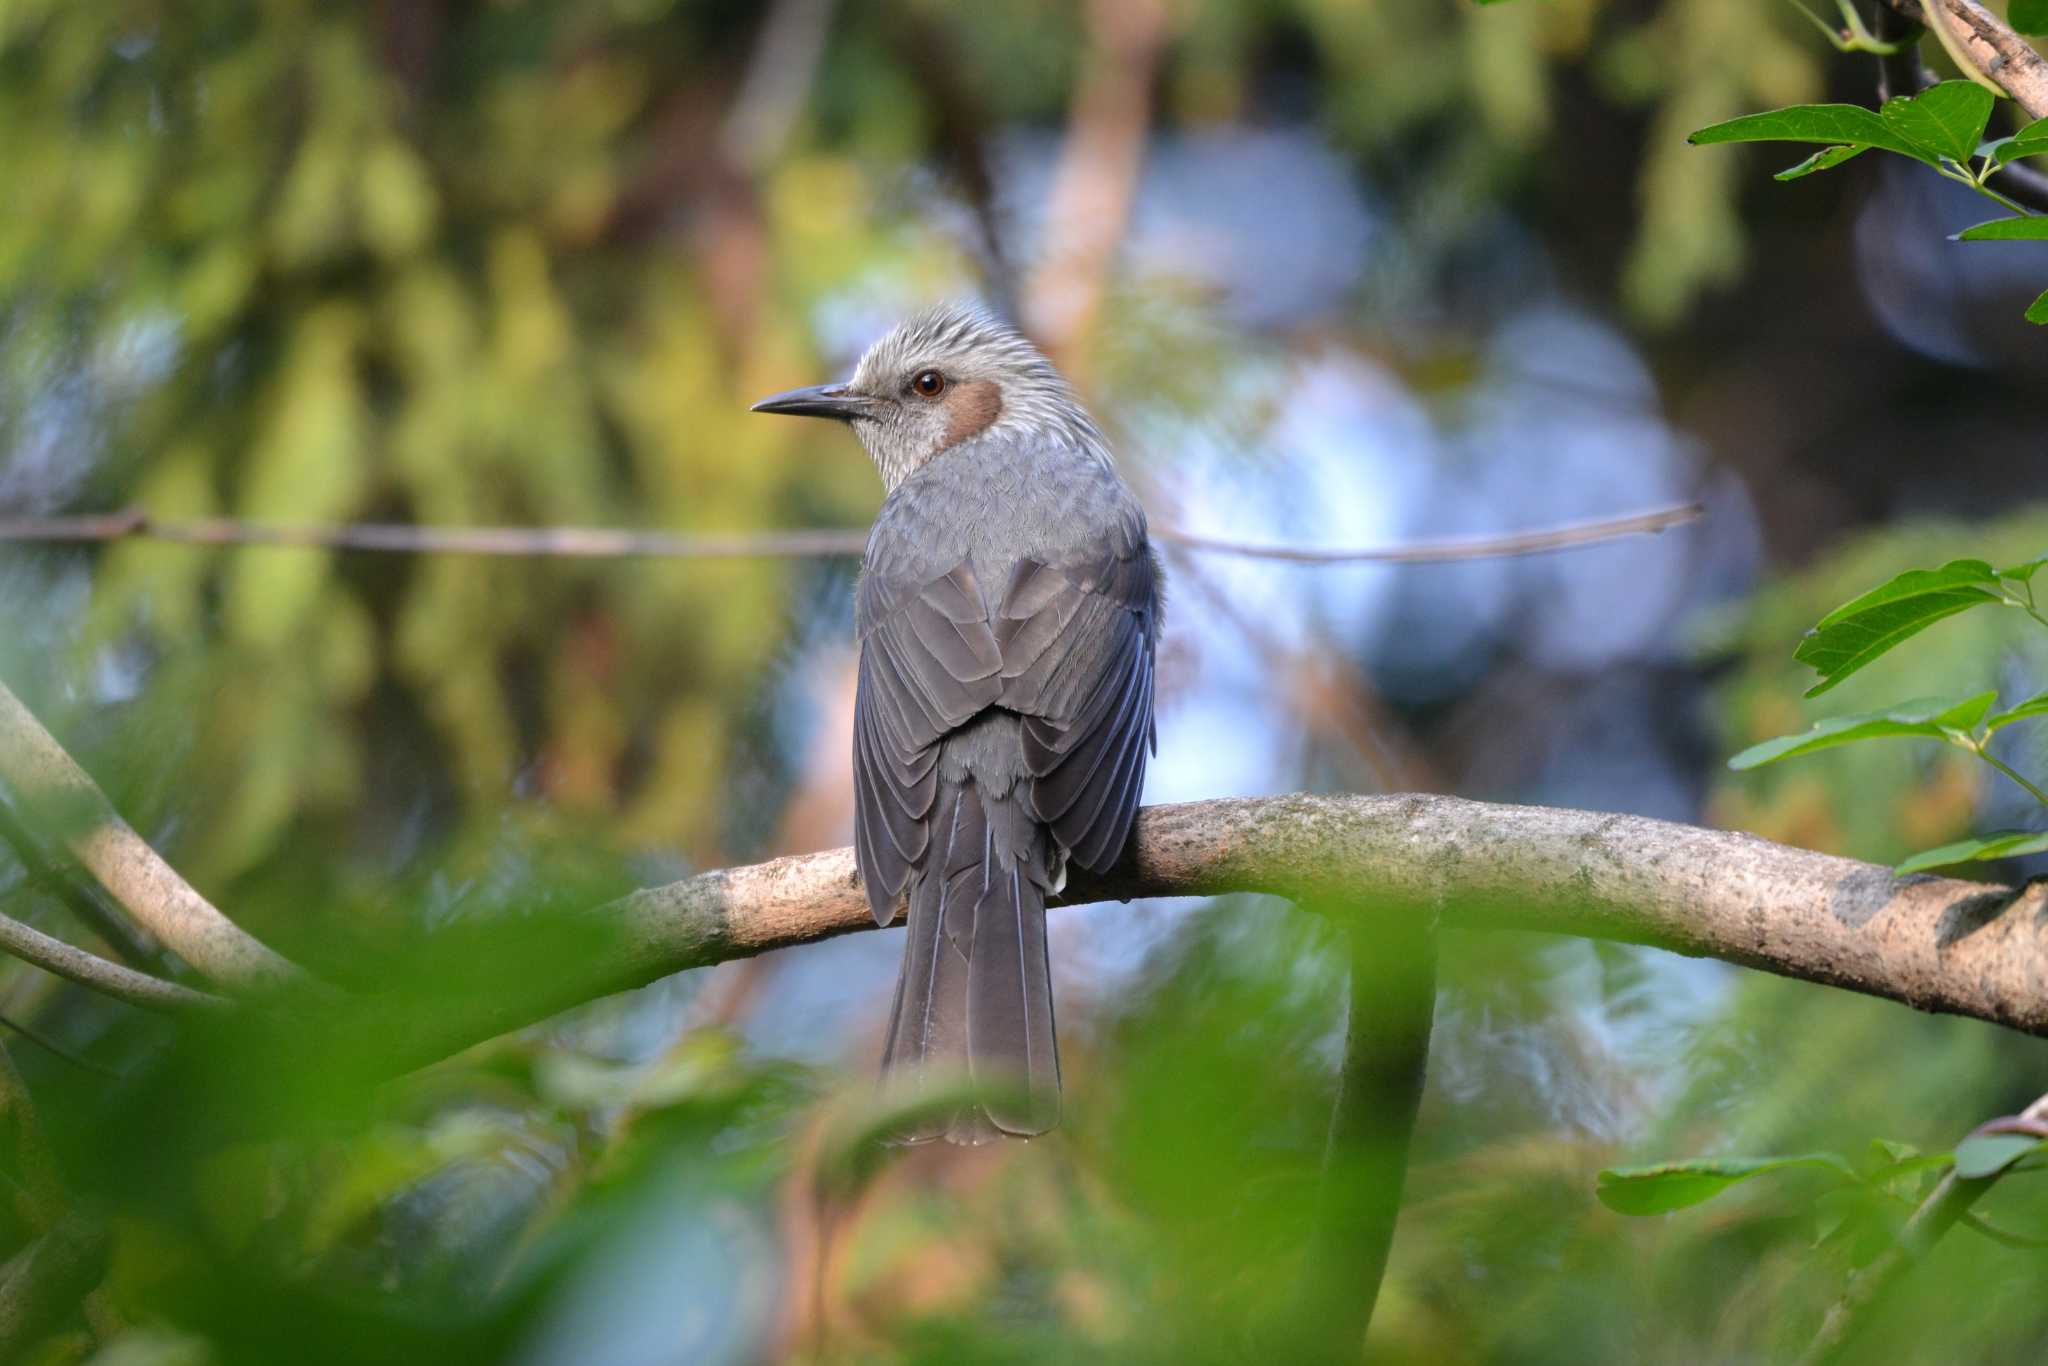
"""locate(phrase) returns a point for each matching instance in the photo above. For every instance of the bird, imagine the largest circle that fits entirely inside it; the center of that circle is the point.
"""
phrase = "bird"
(1008, 612)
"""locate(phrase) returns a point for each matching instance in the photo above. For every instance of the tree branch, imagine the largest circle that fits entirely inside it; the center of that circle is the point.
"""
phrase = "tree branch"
(1936, 944)
(44, 779)
(1981, 40)
(1903, 73)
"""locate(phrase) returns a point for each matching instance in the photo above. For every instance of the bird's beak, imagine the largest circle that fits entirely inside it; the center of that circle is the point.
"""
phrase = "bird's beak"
(819, 400)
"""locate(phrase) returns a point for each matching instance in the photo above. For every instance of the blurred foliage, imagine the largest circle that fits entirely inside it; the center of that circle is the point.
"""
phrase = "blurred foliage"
(481, 261)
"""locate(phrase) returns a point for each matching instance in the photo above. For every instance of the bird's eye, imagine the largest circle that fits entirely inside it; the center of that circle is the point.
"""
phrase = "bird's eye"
(928, 384)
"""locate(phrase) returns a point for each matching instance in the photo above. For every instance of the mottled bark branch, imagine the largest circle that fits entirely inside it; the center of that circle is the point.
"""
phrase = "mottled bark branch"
(1979, 39)
(1937, 944)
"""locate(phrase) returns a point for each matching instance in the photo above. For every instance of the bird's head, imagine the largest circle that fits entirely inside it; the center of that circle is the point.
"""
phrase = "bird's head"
(939, 380)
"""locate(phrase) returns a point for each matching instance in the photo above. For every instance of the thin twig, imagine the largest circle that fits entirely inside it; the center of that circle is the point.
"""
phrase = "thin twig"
(1565, 537)
(51, 1046)
(90, 970)
(595, 542)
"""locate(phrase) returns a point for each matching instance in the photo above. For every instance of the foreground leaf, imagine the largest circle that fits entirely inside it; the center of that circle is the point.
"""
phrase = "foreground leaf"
(1667, 1186)
(2034, 229)
(1950, 118)
(2033, 706)
(1982, 1155)
(1928, 719)
(1863, 629)
(2011, 844)
(2030, 141)
(1842, 123)
(2023, 573)
(2037, 311)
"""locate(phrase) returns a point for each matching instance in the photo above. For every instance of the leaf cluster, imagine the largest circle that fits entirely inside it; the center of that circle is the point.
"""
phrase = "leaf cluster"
(1943, 128)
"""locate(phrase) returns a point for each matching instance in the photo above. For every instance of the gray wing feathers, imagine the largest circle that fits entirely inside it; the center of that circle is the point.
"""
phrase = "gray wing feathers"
(1064, 659)
(1085, 687)
(925, 668)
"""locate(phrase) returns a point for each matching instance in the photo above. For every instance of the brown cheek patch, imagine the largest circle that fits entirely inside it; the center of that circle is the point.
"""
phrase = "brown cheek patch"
(972, 409)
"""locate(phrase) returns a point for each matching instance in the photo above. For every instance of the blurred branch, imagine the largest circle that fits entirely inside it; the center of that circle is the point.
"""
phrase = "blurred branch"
(1961, 948)
(44, 780)
(46, 1281)
(79, 896)
(1096, 180)
(592, 542)
(777, 83)
(1945, 1206)
(42, 1190)
(1379, 1089)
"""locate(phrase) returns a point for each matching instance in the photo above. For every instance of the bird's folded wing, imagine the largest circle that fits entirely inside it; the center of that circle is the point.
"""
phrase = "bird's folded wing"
(1077, 644)
(928, 663)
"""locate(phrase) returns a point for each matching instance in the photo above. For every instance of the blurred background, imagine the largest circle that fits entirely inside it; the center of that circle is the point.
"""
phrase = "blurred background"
(1332, 274)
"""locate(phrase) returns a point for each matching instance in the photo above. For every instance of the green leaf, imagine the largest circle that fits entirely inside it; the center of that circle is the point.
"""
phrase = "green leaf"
(2023, 572)
(1982, 1155)
(1929, 719)
(1861, 630)
(2028, 16)
(1965, 714)
(2011, 844)
(2037, 311)
(1826, 159)
(1950, 118)
(2034, 229)
(1667, 1186)
(1843, 123)
(2030, 141)
(2033, 706)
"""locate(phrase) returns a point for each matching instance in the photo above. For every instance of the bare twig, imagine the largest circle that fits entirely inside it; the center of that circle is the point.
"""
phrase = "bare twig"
(44, 780)
(1945, 1205)
(594, 542)
(1569, 536)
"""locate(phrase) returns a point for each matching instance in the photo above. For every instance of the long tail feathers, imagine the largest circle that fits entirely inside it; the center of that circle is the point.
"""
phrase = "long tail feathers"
(974, 1001)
